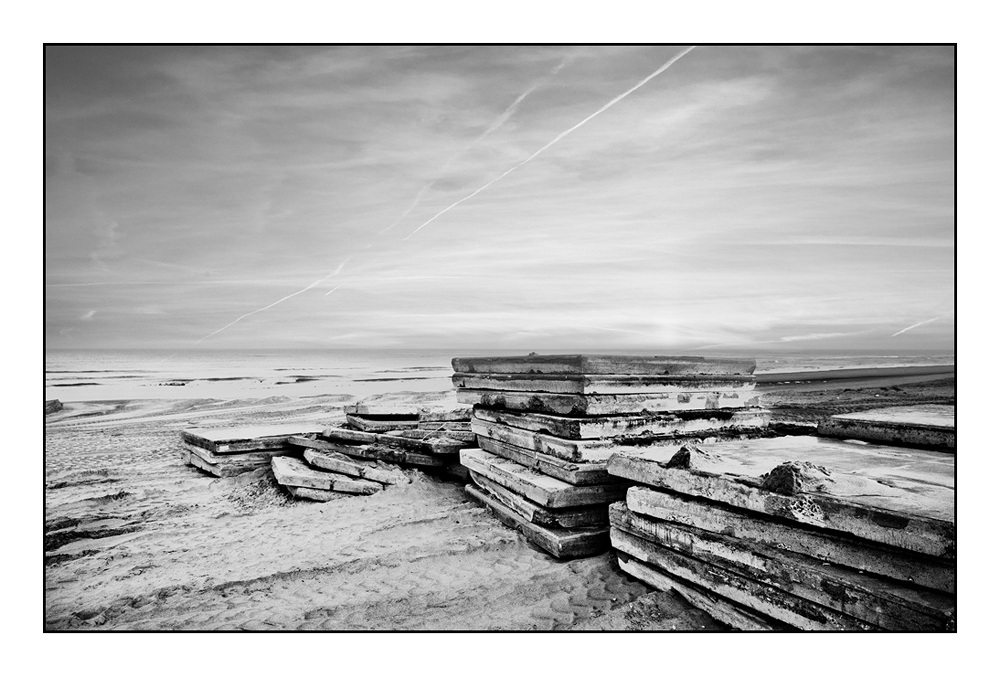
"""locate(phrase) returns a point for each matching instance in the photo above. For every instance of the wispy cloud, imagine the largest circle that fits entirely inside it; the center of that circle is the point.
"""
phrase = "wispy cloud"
(914, 326)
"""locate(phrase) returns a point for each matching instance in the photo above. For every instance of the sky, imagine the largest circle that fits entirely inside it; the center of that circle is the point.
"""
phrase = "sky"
(742, 199)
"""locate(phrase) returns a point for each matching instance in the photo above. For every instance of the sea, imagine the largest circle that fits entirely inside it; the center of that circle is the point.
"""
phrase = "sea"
(105, 375)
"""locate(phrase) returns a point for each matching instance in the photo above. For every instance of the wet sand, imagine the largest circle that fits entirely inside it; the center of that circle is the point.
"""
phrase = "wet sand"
(136, 540)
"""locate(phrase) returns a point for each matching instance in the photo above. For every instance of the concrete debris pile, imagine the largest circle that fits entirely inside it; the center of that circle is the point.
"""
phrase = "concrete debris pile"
(328, 475)
(802, 532)
(225, 452)
(546, 426)
(430, 438)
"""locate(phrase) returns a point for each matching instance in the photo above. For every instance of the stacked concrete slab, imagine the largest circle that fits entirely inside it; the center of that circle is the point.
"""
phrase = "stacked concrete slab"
(546, 426)
(225, 452)
(387, 432)
(803, 532)
(327, 475)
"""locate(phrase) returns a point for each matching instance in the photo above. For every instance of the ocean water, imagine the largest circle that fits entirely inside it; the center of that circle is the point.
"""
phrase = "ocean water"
(92, 375)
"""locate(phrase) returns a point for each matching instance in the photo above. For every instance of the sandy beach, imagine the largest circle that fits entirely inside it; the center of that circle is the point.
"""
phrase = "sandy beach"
(136, 540)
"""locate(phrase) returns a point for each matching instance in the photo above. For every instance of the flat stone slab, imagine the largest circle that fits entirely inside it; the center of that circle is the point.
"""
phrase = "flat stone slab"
(719, 608)
(420, 441)
(293, 472)
(376, 471)
(561, 543)
(607, 405)
(892, 495)
(572, 472)
(593, 384)
(377, 425)
(438, 414)
(604, 364)
(891, 606)
(893, 563)
(376, 452)
(247, 438)
(769, 601)
(535, 486)
(319, 495)
(220, 469)
(487, 426)
(566, 518)
(261, 456)
(629, 425)
(926, 425)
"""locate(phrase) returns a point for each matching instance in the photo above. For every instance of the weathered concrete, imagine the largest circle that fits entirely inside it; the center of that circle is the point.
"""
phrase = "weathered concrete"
(719, 608)
(627, 426)
(566, 518)
(377, 425)
(595, 384)
(606, 405)
(562, 543)
(579, 474)
(419, 441)
(890, 606)
(293, 472)
(52, 406)
(376, 471)
(320, 495)
(535, 486)
(246, 438)
(377, 452)
(926, 425)
(583, 451)
(764, 599)
(603, 364)
(900, 565)
(901, 497)
(262, 457)
(437, 414)
(220, 469)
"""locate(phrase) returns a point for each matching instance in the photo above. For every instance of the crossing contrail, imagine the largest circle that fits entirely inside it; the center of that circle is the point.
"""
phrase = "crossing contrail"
(914, 326)
(497, 123)
(531, 157)
(272, 305)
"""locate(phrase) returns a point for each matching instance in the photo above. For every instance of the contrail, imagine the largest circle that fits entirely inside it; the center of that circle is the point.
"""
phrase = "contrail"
(495, 125)
(260, 310)
(531, 157)
(914, 326)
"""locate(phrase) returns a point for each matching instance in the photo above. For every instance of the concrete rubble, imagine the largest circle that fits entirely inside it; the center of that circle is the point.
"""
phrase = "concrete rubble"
(546, 426)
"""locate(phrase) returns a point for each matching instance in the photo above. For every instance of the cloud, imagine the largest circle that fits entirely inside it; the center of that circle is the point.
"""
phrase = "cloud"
(88, 316)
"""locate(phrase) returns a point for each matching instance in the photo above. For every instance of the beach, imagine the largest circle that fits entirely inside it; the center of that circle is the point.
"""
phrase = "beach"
(136, 540)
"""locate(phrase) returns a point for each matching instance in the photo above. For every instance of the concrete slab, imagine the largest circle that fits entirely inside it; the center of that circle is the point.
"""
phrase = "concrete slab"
(293, 472)
(419, 441)
(220, 469)
(629, 425)
(603, 364)
(565, 518)
(891, 606)
(608, 405)
(892, 563)
(928, 425)
(892, 495)
(247, 438)
(572, 472)
(262, 456)
(716, 606)
(376, 471)
(535, 486)
(561, 543)
(377, 452)
(591, 384)
(377, 425)
(766, 600)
